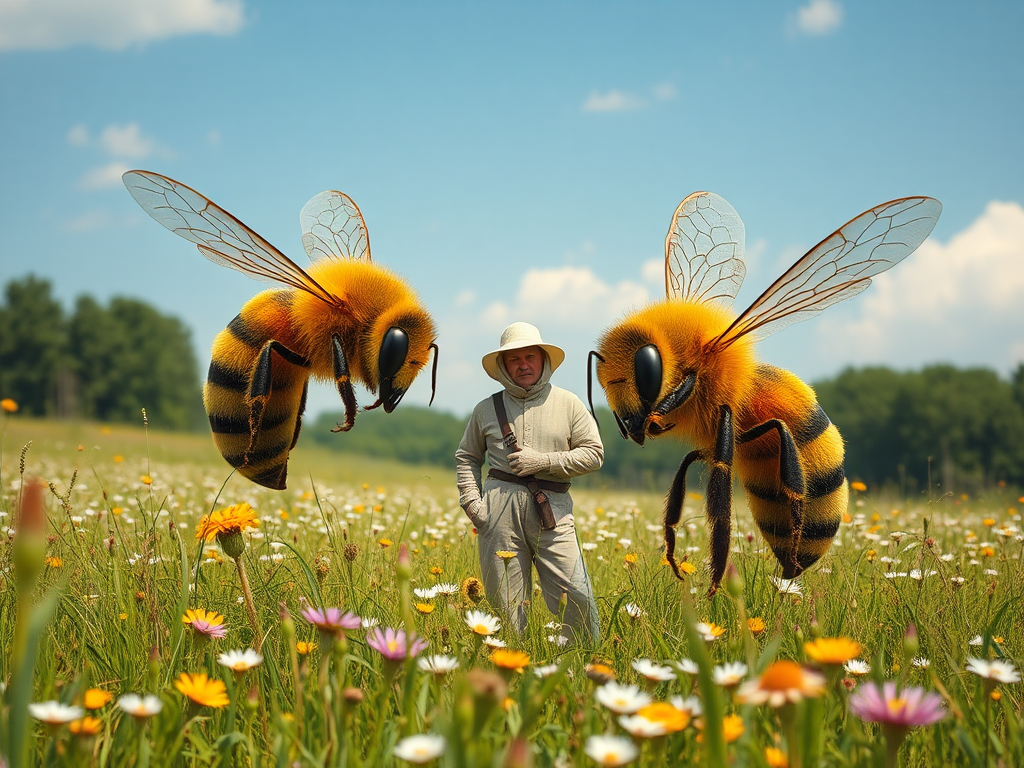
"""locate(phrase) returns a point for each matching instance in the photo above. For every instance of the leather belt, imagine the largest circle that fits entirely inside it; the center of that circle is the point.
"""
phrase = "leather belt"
(547, 485)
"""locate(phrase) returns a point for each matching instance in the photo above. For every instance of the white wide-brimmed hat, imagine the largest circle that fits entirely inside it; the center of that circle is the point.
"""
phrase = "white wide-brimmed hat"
(517, 336)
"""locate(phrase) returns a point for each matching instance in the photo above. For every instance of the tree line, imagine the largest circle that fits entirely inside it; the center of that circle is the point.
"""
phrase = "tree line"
(942, 427)
(96, 362)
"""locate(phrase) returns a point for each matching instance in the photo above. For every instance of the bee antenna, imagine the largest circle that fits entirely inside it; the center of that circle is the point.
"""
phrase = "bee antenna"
(590, 398)
(433, 375)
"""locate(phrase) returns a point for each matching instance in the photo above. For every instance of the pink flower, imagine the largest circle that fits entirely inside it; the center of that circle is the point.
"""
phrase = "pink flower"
(904, 709)
(331, 620)
(391, 644)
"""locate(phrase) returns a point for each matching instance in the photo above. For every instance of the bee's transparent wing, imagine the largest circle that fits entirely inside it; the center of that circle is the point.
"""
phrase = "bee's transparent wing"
(333, 228)
(704, 251)
(220, 236)
(839, 267)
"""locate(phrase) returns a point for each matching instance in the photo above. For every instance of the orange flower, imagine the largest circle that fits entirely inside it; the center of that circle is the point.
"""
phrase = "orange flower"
(233, 519)
(782, 682)
(304, 648)
(385, 543)
(687, 567)
(756, 625)
(513, 660)
(96, 697)
(87, 726)
(775, 758)
(630, 558)
(146, 479)
(424, 607)
(833, 650)
(857, 485)
(667, 715)
(8, 405)
(203, 690)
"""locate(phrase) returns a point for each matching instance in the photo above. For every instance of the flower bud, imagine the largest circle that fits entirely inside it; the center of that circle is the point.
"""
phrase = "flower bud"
(910, 643)
(403, 567)
(733, 582)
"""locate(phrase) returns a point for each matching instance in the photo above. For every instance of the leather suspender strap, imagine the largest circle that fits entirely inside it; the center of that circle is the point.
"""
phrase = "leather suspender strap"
(508, 439)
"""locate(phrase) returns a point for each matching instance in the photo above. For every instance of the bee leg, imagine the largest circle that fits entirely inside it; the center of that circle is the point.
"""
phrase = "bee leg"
(260, 387)
(674, 508)
(344, 382)
(302, 410)
(719, 503)
(793, 486)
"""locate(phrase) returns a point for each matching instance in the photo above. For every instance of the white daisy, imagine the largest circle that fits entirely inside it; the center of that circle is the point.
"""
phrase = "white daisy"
(999, 671)
(634, 610)
(55, 713)
(857, 667)
(421, 748)
(438, 664)
(653, 672)
(240, 661)
(688, 666)
(494, 642)
(446, 589)
(547, 669)
(690, 705)
(730, 674)
(787, 586)
(642, 728)
(140, 707)
(425, 594)
(482, 623)
(611, 750)
(621, 699)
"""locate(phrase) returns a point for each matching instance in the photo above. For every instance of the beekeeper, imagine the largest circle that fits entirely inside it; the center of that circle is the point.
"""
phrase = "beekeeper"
(522, 510)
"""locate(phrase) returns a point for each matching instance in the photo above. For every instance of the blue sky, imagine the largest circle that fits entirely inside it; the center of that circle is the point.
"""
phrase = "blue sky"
(522, 161)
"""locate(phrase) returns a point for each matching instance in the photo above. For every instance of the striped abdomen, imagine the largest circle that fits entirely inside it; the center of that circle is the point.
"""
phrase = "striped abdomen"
(781, 395)
(236, 349)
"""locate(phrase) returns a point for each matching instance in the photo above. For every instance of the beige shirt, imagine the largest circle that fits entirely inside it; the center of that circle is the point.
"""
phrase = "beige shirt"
(548, 419)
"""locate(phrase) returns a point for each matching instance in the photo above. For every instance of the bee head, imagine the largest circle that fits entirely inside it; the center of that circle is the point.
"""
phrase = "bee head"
(644, 376)
(399, 346)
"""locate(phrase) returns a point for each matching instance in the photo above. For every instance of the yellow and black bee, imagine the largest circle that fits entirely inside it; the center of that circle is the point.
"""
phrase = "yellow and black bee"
(685, 366)
(344, 319)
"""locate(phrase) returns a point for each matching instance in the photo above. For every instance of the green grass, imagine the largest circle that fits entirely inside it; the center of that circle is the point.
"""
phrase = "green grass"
(129, 565)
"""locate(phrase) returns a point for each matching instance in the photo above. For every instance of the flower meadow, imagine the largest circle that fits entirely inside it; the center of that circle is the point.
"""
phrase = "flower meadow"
(156, 611)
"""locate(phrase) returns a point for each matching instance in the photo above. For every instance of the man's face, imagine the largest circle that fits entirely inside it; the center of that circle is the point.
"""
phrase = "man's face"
(524, 365)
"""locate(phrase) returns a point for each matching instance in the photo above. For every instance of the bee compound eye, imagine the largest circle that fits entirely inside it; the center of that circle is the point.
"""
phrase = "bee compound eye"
(648, 370)
(393, 351)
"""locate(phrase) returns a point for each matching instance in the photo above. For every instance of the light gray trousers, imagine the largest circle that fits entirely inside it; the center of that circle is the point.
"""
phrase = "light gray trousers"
(509, 522)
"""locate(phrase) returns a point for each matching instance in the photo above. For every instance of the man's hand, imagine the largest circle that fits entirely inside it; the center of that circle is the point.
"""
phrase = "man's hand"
(527, 461)
(473, 510)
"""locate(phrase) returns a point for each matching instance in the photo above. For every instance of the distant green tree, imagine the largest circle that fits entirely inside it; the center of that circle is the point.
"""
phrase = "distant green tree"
(411, 434)
(33, 338)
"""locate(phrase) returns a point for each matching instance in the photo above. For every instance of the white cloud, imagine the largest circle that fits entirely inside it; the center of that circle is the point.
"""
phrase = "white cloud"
(87, 222)
(819, 17)
(213, 137)
(665, 92)
(103, 177)
(959, 301)
(111, 24)
(126, 141)
(78, 136)
(613, 101)
(464, 299)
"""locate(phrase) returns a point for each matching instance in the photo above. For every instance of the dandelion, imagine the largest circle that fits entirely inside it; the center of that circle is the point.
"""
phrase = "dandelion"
(421, 748)
(621, 699)
(655, 673)
(304, 648)
(515, 661)
(96, 698)
(87, 726)
(630, 559)
(729, 674)
(8, 405)
(756, 625)
(54, 562)
(385, 543)
(203, 690)
(439, 665)
(775, 758)
(393, 644)
(424, 608)
(54, 713)
(140, 707)
(611, 750)
(858, 486)
(331, 621)
(782, 682)
(205, 622)
(833, 651)
(482, 623)
(505, 554)
(240, 661)
(223, 522)
(996, 671)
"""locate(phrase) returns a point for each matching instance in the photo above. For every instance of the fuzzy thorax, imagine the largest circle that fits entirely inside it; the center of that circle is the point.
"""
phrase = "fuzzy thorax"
(682, 332)
(374, 299)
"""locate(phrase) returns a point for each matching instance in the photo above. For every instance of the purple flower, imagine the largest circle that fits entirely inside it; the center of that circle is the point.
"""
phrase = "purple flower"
(391, 644)
(331, 620)
(906, 709)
